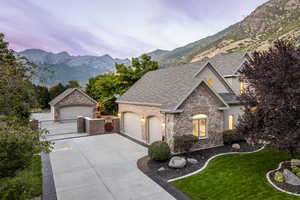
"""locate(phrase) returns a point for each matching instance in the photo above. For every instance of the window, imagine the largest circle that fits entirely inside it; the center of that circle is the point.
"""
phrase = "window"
(243, 86)
(230, 122)
(209, 81)
(200, 125)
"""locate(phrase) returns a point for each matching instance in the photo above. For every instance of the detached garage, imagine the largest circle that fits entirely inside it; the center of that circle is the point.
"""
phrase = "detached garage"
(72, 103)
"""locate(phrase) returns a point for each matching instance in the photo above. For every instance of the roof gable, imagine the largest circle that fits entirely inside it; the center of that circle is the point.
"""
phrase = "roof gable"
(66, 93)
(202, 82)
(223, 83)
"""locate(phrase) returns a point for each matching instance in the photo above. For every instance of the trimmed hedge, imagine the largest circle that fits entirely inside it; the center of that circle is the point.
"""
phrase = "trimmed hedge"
(184, 143)
(232, 136)
(159, 151)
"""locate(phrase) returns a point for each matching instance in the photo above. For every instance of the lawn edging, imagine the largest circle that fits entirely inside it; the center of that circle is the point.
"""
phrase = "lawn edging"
(278, 188)
(207, 162)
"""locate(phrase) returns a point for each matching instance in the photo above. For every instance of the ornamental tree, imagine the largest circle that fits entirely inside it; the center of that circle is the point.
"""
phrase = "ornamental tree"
(272, 99)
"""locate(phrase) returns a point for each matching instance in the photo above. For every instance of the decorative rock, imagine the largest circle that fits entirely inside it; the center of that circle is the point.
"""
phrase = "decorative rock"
(291, 178)
(161, 169)
(177, 162)
(236, 146)
(296, 162)
(192, 161)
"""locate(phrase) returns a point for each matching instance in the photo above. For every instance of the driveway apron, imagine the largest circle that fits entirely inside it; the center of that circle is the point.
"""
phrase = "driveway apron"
(101, 167)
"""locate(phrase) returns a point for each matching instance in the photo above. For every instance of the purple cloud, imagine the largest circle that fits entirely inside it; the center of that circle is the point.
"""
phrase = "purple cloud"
(117, 27)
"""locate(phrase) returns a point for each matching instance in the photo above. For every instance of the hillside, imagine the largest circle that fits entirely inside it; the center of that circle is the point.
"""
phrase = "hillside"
(62, 67)
(272, 20)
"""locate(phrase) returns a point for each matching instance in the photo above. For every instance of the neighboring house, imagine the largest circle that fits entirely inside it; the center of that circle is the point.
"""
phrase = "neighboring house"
(72, 103)
(197, 98)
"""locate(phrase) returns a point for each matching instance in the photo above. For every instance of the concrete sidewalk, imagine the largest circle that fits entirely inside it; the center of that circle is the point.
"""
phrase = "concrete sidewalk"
(102, 167)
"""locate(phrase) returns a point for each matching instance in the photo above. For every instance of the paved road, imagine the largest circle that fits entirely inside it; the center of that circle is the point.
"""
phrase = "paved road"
(102, 167)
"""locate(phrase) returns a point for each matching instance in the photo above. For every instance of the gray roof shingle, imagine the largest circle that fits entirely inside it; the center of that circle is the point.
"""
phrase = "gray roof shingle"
(168, 87)
(66, 93)
(227, 64)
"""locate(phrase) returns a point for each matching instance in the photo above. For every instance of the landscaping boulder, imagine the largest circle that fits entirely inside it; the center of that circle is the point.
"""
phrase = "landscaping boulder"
(161, 169)
(296, 162)
(177, 162)
(236, 146)
(192, 161)
(291, 178)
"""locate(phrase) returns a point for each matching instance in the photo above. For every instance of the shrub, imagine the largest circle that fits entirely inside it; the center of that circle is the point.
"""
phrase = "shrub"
(25, 185)
(231, 136)
(159, 151)
(18, 144)
(184, 143)
(279, 177)
(298, 174)
(295, 169)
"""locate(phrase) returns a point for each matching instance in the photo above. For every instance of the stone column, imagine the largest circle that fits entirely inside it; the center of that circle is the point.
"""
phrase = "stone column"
(81, 124)
(116, 125)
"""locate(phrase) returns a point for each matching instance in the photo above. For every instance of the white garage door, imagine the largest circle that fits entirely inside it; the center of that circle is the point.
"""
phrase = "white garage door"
(132, 125)
(73, 112)
(154, 129)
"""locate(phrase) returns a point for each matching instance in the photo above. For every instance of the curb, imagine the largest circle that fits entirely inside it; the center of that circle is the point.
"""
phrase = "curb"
(206, 163)
(278, 188)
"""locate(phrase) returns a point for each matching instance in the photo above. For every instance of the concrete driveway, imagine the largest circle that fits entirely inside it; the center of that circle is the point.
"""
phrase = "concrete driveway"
(101, 167)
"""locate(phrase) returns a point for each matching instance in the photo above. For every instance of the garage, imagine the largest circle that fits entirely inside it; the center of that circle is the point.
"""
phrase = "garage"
(72, 103)
(154, 129)
(132, 125)
(72, 112)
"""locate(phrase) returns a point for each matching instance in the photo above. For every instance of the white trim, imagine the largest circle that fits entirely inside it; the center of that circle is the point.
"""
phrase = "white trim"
(218, 74)
(139, 103)
(206, 163)
(196, 86)
(278, 188)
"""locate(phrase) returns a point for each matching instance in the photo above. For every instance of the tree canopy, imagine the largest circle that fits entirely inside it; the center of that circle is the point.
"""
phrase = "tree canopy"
(272, 100)
(17, 95)
(105, 87)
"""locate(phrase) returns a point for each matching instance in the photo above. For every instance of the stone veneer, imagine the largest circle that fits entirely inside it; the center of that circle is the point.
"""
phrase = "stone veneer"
(76, 98)
(201, 101)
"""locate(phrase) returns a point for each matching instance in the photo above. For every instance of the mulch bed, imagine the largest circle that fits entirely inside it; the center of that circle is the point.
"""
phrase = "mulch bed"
(150, 166)
(285, 186)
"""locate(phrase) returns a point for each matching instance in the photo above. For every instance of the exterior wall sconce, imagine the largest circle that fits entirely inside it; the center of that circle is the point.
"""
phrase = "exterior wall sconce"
(163, 125)
(119, 115)
(143, 119)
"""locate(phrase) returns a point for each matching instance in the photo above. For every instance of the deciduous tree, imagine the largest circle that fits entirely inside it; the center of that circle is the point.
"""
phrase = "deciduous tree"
(272, 100)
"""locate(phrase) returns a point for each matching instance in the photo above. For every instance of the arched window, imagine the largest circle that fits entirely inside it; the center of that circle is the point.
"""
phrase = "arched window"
(200, 125)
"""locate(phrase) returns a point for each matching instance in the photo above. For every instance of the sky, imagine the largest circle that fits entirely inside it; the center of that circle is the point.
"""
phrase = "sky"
(120, 28)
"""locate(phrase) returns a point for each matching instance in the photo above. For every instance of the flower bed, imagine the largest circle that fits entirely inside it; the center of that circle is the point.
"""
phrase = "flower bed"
(162, 170)
(283, 185)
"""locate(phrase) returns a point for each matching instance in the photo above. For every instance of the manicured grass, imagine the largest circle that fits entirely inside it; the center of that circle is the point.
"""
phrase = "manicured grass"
(236, 177)
(25, 185)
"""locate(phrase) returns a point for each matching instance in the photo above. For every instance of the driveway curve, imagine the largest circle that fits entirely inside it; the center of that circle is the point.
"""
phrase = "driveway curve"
(101, 167)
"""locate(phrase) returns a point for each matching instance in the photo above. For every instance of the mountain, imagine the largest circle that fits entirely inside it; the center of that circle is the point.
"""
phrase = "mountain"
(157, 53)
(62, 67)
(276, 19)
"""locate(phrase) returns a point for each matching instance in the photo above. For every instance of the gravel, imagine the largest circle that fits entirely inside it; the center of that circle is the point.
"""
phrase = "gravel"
(285, 186)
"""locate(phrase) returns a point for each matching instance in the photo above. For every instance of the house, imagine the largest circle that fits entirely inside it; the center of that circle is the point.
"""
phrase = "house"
(197, 98)
(72, 103)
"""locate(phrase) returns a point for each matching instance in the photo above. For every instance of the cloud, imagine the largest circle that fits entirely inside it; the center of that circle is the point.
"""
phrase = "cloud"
(116, 27)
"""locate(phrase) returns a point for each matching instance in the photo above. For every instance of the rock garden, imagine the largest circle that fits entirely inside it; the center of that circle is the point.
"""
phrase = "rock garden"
(161, 164)
(287, 176)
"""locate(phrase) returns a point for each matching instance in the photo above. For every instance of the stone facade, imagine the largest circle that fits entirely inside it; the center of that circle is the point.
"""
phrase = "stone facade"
(76, 98)
(201, 101)
(144, 112)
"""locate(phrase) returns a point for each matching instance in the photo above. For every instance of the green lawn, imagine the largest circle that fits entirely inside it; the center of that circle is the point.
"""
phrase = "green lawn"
(236, 177)
(25, 185)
